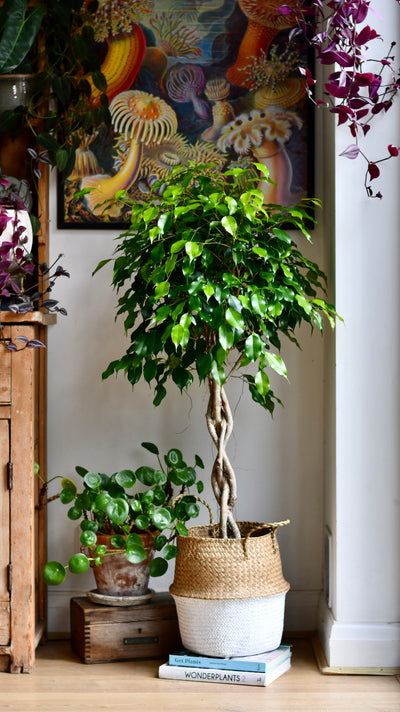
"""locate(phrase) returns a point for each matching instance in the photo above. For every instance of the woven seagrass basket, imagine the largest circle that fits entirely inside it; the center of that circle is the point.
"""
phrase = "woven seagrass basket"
(209, 567)
(230, 593)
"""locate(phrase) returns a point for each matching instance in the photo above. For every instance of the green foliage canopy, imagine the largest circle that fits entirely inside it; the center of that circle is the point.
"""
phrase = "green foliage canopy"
(209, 279)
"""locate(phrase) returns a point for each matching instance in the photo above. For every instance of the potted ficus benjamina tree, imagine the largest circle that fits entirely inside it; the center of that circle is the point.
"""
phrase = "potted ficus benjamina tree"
(209, 279)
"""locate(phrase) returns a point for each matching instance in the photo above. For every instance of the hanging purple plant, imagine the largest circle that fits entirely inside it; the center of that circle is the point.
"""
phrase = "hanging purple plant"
(363, 86)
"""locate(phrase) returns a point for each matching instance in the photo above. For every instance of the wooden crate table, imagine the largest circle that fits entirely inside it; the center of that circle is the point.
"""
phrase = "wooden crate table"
(106, 633)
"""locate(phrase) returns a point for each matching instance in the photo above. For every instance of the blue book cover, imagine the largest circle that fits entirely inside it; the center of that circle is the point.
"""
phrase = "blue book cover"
(264, 662)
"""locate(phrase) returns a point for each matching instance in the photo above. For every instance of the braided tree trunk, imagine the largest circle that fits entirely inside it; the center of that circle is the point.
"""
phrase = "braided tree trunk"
(220, 425)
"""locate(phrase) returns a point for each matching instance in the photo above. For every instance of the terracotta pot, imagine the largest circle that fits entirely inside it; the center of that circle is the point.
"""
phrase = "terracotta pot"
(116, 576)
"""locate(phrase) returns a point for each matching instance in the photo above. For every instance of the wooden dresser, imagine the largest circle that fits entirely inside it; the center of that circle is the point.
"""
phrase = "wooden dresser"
(22, 524)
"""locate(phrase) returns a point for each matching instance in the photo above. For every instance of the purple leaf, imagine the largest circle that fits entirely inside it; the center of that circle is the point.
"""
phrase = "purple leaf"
(335, 90)
(35, 343)
(373, 170)
(351, 151)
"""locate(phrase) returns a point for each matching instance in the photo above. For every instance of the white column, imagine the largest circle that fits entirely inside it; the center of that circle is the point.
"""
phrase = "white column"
(361, 626)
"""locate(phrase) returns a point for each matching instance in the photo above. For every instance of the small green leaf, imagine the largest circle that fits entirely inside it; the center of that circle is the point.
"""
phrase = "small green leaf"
(151, 448)
(174, 457)
(88, 538)
(193, 249)
(125, 478)
(208, 290)
(101, 501)
(117, 510)
(181, 529)
(142, 521)
(261, 381)
(67, 495)
(92, 480)
(170, 551)
(226, 336)
(74, 513)
(132, 540)
(230, 224)
(277, 363)
(117, 541)
(162, 289)
(146, 475)
(259, 303)
(253, 347)
(53, 573)
(78, 564)
(136, 554)
(234, 319)
(177, 246)
(304, 303)
(159, 542)
(158, 567)
(162, 518)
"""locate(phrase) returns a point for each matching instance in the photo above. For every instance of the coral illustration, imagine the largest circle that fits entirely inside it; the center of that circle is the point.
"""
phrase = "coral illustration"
(185, 84)
(116, 24)
(174, 37)
(271, 81)
(217, 91)
(264, 21)
(262, 134)
(86, 163)
(142, 118)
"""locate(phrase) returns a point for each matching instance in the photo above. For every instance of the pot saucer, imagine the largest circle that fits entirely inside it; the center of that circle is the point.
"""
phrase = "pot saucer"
(106, 600)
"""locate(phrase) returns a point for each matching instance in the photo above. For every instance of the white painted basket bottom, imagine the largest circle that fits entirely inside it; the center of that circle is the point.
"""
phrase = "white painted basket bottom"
(232, 627)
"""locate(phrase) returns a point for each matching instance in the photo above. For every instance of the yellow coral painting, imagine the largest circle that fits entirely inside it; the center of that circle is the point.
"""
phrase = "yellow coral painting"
(192, 80)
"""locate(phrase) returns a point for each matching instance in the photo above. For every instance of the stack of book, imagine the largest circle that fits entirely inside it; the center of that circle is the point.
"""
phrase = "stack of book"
(251, 670)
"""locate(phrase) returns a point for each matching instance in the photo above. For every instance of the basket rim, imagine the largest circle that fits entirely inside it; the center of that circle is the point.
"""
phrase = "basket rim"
(270, 527)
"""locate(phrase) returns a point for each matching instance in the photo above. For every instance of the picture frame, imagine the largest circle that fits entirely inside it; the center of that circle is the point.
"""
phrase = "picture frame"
(222, 85)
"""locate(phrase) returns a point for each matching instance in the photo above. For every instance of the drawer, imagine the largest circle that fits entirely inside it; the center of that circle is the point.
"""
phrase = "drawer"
(109, 634)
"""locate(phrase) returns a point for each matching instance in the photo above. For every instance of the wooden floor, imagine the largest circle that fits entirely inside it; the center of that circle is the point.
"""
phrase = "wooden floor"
(62, 682)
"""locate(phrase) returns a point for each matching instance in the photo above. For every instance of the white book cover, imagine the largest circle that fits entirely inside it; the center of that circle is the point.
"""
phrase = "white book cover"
(233, 677)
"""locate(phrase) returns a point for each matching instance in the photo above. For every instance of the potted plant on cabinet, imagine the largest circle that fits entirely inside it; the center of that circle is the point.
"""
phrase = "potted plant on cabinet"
(125, 519)
(52, 45)
(25, 285)
(209, 280)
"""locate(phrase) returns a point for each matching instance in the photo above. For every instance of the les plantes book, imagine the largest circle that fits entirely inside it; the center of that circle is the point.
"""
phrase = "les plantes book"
(258, 670)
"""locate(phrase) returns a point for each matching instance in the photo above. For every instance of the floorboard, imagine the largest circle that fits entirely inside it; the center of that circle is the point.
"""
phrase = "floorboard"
(61, 683)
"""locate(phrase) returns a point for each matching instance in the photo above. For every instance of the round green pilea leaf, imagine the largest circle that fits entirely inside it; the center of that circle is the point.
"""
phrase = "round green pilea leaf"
(78, 563)
(53, 573)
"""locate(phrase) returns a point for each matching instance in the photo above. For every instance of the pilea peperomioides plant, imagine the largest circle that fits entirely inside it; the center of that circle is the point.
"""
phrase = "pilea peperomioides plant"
(125, 504)
(209, 279)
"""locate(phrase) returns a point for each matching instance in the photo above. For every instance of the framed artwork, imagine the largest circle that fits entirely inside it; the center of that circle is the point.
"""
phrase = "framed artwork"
(192, 80)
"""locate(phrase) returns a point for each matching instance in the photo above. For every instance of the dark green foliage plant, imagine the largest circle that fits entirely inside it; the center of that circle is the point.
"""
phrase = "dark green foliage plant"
(55, 42)
(209, 280)
(157, 500)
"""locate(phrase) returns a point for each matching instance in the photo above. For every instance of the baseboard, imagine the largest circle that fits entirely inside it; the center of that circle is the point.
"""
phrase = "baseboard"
(300, 610)
(356, 648)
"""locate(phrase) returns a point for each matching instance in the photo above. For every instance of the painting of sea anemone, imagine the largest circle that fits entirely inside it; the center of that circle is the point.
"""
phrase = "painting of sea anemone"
(213, 80)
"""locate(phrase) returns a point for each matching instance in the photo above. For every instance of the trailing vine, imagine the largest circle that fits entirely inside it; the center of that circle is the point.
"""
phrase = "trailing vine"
(362, 86)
